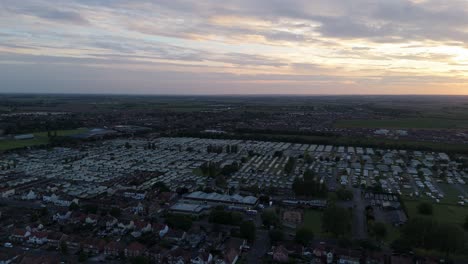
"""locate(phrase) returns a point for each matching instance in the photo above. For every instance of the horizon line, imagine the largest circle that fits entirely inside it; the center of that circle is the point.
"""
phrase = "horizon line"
(214, 94)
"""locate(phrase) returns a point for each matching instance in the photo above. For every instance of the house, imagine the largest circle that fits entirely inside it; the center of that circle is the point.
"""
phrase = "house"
(139, 208)
(167, 197)
(177, 256)
(135, 249)
(38, 237)
(93, 246)
(142, 226)
(20, 235)
(232, 249)
(29, 196)
(126, 225)
(6, 192)
(280, 254)
(175, 235)
(108, 221)
(77, 218)
(40, 259)
(91, 219)
(73, 242)
(62, 217)
(113, 248)
(155, 253)
(135, 195)
(55, 238)
(24, 136)
(8, 256)
(35, 227)
(201, 258)
(161, 229)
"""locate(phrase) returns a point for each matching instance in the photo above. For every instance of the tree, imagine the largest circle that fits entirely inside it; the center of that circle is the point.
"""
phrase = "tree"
(247, 230)
(115, 212)
(139, 260)
(449, 238)
(270, 218)
(429, 234)
(304, 236)
(276, 235)
(63, 247)
(289, 166)
(219, 216)
(91, 208)
(162, 187)
(179, 221)
(73, 207)
(425, 208)
(380, 230)
(309, 186)
(307, 158)
(344, 194)
(83, 257)
(336, 220)
(465, 225)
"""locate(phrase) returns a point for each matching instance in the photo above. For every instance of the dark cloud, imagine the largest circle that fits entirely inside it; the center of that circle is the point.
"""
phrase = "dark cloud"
(45, 11)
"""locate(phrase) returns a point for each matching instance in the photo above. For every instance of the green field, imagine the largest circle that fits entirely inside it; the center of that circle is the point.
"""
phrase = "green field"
(313, 221)
(447, 213)
(427, 123)
(451, 194)
(40, 138)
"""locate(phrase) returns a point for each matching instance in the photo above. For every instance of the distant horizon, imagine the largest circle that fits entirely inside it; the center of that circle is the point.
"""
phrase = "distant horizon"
(233, 95)
(208, 47)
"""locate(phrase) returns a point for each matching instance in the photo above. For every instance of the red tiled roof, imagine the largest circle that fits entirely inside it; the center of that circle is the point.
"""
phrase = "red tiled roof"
(135, 246)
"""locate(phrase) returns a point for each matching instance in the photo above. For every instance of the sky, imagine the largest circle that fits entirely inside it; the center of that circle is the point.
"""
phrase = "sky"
(234, 47)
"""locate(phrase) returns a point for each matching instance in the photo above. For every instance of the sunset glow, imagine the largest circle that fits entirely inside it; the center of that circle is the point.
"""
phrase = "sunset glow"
(234, 47)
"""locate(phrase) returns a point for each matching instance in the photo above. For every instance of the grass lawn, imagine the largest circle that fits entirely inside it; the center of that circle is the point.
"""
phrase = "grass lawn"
(438, 123)
(392, 233)
(450, 192)
(40, 138)
(313, 221)
(198, 172)
(447, 213)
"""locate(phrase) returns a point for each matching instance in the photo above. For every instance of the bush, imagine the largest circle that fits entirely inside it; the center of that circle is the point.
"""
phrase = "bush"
(380, 230)
(344, 194)
(276, 235)
(247, 230)
(425, 208)
(304, 236)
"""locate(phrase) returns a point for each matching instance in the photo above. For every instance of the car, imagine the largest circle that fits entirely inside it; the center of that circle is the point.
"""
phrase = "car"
(8, 245)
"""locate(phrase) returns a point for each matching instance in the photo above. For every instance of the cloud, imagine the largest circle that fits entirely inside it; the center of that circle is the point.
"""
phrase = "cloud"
(44, 11)
(291, 45)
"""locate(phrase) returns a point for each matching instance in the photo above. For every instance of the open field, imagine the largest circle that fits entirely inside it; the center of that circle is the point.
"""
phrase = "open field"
(454, 214)
(313, 221)
(40, 138)
(426, 123)
(450, 192)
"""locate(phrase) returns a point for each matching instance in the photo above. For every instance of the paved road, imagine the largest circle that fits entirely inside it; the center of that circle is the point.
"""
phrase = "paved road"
(260, 247)
(261, 244)
(359, 219)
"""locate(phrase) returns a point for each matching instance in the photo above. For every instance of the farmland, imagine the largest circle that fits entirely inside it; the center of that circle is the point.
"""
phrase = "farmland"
(40, 138)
